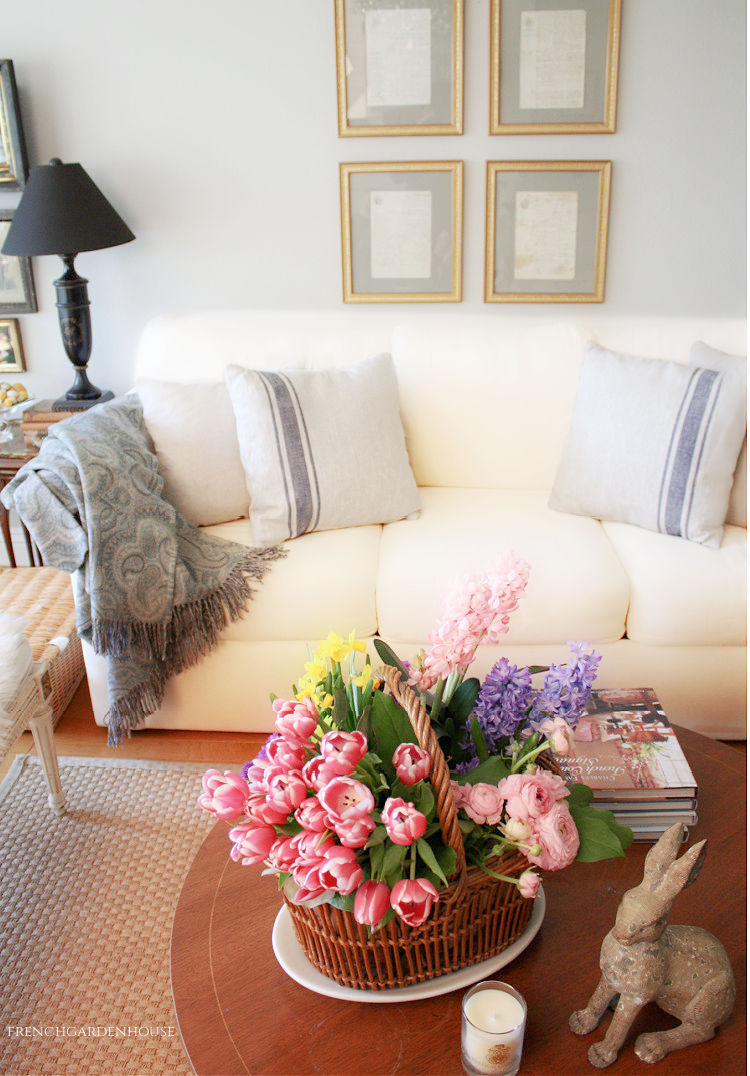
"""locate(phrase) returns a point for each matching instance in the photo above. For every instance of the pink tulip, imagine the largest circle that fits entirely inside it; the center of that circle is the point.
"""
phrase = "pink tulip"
(528, 884)
(309, 853)
(224, 796)
(403, 822)
(287, 790)
(283, 854)
(340, 870)
(288, 754)
(344, 798)
(295, 720)
(317, 773)
(412, 763)
(412, 900)
(371, 902)
(311, 815)
(343, 750)
(355, 832)
(251, 843)
(259, 810)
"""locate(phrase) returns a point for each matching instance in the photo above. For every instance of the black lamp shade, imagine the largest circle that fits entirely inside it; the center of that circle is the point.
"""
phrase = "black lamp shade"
(63, 212)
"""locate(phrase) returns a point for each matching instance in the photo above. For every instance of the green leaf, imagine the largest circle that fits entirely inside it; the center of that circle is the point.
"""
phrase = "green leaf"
(446, 857)
(533, 669)
(389, 657)
(601, 836)
(479, 741)
(393, 862)
(340, 712)
(364, 725)
(377, 852)
(390, 727)
(463, 701)
(346, 904)
(429, 859)
(490, 772)
(580, 796)
(377, 836)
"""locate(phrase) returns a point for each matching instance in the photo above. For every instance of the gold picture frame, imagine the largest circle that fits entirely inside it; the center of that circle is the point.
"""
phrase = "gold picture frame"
(575, 95)
(399, 67)
(546, 231)
(11, 350)
(14, 167)
(401, 231)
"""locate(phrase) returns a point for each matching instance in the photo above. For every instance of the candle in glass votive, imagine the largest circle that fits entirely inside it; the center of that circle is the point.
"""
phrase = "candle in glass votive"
(492, 1027)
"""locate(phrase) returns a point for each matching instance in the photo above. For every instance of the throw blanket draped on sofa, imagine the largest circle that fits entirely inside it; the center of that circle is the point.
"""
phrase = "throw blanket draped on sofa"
(152, 591)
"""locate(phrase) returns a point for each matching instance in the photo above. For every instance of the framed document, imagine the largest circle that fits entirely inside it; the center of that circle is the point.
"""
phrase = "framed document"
(13, 165)
(553, 66)
(546, 231)
(399, 66)
(401, 232)
(17, 292)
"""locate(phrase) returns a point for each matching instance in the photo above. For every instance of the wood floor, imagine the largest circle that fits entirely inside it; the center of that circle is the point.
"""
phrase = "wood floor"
(77, 734)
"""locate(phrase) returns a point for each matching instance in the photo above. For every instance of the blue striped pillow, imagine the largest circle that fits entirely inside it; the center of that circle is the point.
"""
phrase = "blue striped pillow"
(654, 443)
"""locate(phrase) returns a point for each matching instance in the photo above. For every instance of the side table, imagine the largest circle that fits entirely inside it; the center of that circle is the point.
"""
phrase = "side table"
(10, 463)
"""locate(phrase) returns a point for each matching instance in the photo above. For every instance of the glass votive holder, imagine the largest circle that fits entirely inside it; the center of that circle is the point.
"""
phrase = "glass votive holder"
(493, 1021)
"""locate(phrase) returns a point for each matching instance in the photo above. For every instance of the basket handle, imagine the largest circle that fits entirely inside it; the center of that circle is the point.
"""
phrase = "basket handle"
(440, 779)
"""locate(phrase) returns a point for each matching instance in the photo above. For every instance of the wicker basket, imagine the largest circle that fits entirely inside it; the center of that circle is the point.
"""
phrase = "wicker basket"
(475, 918)
(43, 599)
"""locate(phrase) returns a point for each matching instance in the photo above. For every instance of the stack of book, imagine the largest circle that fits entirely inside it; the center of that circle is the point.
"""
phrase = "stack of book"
(37, 420)
(627, 752)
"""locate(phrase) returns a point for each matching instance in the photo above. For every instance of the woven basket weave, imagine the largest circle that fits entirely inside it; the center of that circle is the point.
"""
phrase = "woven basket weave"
(475, 918)
(43, 599)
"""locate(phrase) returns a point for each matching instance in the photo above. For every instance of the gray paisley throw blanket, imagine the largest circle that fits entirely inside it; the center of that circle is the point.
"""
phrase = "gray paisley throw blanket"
(152, 591)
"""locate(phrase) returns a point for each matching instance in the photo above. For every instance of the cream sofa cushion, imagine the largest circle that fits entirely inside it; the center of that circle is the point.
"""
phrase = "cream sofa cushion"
(683, 594)
(577, 587)
(324, 583)
(193, 430)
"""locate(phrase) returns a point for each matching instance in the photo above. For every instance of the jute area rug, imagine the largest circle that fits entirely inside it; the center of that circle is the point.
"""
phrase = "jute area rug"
(86, 907)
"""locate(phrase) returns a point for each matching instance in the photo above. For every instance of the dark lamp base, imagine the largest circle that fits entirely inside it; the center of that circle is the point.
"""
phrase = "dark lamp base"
(65, 404)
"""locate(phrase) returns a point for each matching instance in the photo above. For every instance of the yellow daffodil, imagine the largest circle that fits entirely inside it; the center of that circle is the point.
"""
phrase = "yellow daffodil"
(364, 678)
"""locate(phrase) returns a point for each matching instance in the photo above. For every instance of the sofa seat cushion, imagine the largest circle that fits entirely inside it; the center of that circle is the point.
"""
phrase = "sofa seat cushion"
(577, 587)
(682, 593)
(326, 582)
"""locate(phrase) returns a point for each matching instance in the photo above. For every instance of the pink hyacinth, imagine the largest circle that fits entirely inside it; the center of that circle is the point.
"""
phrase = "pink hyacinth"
(477, 610)
(224, 795)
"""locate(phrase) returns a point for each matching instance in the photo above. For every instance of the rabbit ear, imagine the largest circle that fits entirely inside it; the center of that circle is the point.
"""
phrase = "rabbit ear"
(662, 855)
(683, 872)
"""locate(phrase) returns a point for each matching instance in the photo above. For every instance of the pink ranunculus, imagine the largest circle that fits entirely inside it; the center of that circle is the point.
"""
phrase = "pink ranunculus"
(459, 793)
(288, 754)
(224, 795)
(559, 733)
(311, 815)
(483, 803)
(344, 798)
(343, 750)
(403, 822)
(316, 773)
(530, 795)
(528, 884)
(287, 790)
(355, 832)
(340, 870)
(296, 719)
(517, 830)
(413, 899)
(556, 832)
(412, 763)
(371, 902)
(251, 843)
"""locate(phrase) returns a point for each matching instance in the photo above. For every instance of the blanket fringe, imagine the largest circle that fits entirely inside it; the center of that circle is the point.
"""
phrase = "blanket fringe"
(190, 633)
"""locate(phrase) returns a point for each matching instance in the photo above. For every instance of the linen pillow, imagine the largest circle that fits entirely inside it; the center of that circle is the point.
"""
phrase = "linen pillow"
(653, 443)
(704, 355)
(321, 448)
(195, 437)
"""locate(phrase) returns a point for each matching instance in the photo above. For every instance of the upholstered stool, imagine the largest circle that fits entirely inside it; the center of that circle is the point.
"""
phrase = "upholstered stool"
(43, 599)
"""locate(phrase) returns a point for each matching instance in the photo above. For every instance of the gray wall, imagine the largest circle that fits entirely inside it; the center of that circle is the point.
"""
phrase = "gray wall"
(212, 129)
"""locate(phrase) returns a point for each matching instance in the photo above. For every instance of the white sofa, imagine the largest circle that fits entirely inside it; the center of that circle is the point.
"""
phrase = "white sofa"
(486, 401)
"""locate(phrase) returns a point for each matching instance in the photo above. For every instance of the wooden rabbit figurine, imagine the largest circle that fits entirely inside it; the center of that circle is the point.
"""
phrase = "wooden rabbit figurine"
(685, 970)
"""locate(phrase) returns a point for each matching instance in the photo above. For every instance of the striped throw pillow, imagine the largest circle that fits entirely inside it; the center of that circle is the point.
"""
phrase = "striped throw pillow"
(654, 443)
(321, 449)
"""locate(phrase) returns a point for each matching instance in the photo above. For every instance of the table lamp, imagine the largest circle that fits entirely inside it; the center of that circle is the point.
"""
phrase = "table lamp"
(63, 212)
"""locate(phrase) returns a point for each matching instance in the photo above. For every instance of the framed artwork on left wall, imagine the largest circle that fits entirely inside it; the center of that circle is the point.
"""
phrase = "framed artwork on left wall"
(17, 291)
(11, 351)
(13, 164)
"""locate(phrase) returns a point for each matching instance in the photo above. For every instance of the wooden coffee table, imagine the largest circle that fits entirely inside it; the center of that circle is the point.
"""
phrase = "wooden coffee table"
(239, 1012)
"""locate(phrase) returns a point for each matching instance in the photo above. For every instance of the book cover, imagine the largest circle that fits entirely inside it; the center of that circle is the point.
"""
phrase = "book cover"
(626, 749)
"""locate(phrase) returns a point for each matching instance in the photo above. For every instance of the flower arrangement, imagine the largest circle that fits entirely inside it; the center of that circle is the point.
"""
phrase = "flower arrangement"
(338, 803)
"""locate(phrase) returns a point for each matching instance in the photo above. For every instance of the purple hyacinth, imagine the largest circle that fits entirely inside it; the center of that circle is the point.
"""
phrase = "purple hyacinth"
(502, 702)
(566, 687)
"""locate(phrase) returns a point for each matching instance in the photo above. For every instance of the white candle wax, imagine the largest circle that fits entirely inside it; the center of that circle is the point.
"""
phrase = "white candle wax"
(493, 1032)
